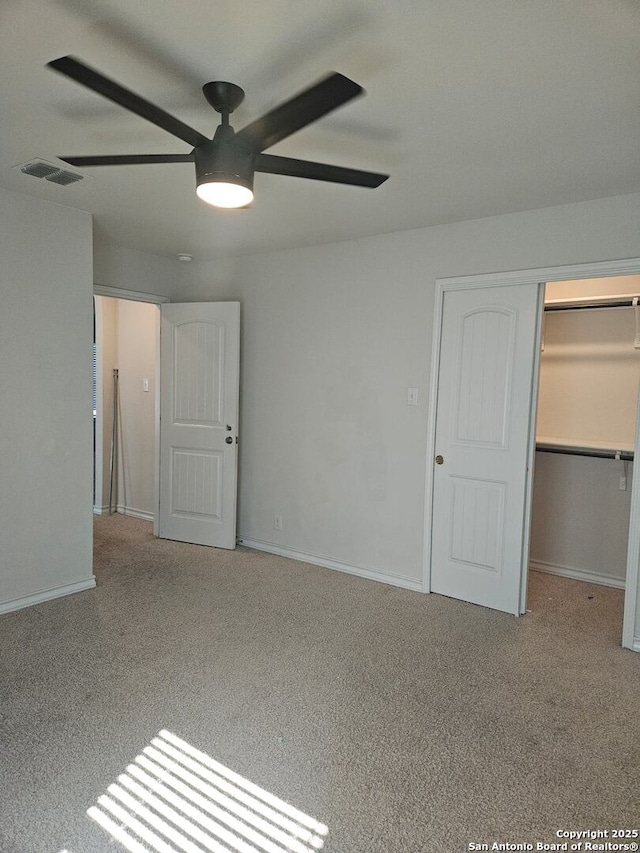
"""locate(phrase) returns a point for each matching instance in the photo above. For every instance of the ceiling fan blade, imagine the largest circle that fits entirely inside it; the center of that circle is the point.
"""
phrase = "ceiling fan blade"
(299, 111)
(109, 89)
(127, 159)
(317, 171)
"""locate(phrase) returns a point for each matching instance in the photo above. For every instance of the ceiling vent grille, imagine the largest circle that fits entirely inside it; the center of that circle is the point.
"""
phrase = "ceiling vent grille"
(38, 169)
(50, 172)
(63, 177)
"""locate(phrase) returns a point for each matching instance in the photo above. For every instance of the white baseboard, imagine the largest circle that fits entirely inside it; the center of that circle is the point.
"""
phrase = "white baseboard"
(576, 574)
(46, 595)
(325, 562)
(636, 644)
(124, 510)
(136, 513)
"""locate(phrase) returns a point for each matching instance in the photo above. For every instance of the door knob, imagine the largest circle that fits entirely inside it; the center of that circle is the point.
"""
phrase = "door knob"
(229, 439)
(439, 459)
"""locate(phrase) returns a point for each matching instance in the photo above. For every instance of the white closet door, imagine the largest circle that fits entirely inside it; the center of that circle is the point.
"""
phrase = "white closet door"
(482, 441)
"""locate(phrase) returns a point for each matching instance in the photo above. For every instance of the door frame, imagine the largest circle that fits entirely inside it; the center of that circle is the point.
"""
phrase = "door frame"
(154, 299)
(531, 278)
(630, 622)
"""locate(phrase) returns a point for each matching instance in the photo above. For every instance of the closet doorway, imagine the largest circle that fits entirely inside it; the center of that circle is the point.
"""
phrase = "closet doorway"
(478, 521)
(585, 432)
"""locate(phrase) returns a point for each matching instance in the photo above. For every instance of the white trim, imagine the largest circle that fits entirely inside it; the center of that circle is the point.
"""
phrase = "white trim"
(136, 513)
(531, 452)
(576, 574)
(630, 626)
(125, 510)
(635, 646)
(46, 595)
(599, 269)
(431, 434)
(156, 430)
(325, 562)
(133, 295)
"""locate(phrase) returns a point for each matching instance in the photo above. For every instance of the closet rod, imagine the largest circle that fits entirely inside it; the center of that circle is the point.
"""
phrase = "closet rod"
(623, 455)
(616, 302)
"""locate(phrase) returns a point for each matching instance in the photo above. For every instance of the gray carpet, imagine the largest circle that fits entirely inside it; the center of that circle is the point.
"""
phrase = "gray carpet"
(401, 722)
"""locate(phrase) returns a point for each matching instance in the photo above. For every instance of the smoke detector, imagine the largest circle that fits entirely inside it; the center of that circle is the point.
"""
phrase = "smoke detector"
(50, 172)
(184, 257)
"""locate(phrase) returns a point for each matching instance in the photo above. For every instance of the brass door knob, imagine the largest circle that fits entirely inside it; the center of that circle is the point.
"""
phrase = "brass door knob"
(439, 459)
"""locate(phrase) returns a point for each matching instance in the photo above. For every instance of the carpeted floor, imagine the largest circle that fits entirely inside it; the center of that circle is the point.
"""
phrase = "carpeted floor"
(400, 722)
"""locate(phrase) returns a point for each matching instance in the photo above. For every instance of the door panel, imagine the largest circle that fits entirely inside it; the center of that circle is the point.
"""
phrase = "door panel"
(477, 523)
(485, 369)
(482, 434)
(199, 364)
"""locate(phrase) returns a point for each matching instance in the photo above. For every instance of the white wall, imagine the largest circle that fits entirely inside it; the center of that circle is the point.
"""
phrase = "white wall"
(589, 374)
(580, 518)
(332, 338)
(45, 389)
(589, 368)
(128, 269)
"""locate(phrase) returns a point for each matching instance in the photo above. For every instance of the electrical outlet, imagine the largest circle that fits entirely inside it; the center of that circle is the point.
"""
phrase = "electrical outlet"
(277, 522)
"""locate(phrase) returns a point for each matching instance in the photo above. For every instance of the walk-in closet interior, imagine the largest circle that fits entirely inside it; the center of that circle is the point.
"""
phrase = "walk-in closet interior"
(586, 424)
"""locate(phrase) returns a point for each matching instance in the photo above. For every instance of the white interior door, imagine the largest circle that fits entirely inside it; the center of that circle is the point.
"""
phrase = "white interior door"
(482, 430)
(199, 382)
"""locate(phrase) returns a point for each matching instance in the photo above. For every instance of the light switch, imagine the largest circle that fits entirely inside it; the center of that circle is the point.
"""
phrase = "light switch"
(145, 384)
(412, 396)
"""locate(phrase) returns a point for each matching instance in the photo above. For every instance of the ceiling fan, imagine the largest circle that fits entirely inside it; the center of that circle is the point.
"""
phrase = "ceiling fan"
(225, 165)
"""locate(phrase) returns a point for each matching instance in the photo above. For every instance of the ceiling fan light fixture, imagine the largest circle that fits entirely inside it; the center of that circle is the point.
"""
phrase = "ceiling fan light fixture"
(225, 191)
(224, 174)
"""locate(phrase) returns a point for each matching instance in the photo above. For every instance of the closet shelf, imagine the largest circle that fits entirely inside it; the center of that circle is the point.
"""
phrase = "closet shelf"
(597, 449)
(575, 304)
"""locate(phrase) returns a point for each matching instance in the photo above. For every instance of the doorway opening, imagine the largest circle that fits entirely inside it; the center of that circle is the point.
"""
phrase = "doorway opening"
(585, 436)
(126, 363)
(185, 479)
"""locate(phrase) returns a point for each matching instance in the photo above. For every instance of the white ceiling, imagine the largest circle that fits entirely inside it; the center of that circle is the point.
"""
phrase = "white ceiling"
(474, 107)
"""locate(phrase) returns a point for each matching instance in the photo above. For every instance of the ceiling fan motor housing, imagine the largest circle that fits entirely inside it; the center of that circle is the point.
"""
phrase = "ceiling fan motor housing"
(220, 160)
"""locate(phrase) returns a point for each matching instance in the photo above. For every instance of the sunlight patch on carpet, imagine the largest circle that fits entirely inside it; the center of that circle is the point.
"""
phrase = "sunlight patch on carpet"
(176, 798)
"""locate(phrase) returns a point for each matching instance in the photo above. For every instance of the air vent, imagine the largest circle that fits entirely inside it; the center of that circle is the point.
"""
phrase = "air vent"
(38, 169)
(50, 172)
(63, 178)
